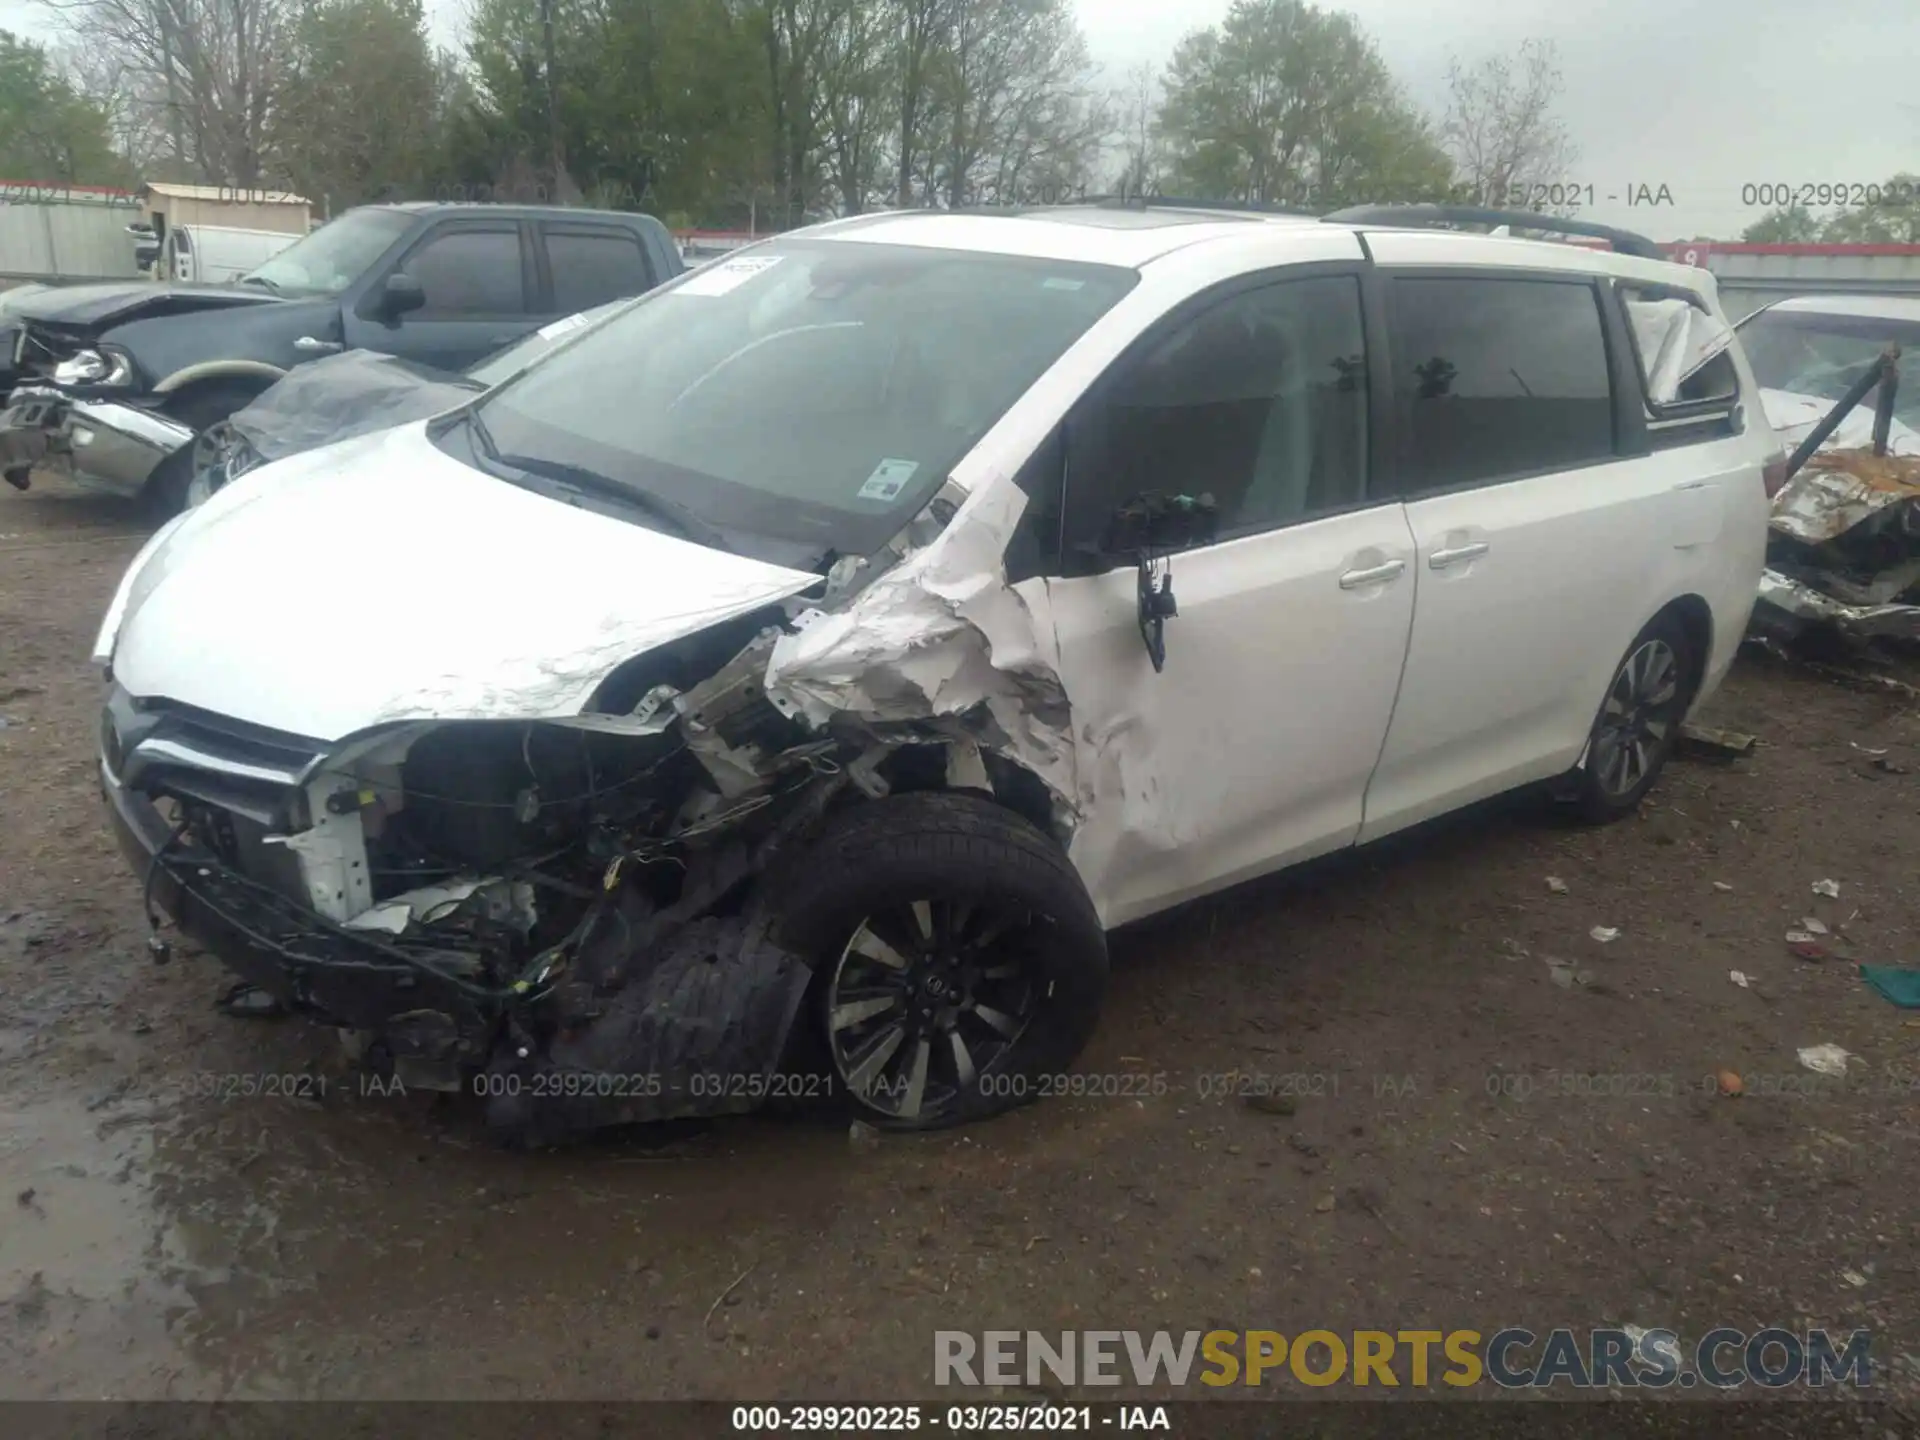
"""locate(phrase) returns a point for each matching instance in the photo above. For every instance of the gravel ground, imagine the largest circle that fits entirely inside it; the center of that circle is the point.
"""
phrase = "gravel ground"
(1489, 1117)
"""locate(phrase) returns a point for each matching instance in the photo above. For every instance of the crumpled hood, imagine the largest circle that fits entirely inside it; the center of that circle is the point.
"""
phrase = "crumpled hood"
(343, 396)
(380, 580)
(120, 301)
(1793, 417)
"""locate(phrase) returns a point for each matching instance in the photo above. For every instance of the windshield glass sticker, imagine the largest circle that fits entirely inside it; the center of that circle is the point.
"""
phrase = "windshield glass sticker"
(725, 276)
(889, 478)
(1056, 282)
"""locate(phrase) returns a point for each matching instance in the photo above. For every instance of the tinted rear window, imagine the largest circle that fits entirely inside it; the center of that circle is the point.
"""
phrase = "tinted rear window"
(593, 267)
(1498, 378)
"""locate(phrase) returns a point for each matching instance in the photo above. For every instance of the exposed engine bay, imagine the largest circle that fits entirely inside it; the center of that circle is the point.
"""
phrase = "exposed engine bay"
(576, 919)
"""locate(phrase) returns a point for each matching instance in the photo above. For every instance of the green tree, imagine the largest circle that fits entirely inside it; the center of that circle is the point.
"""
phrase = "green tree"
(660, 101)
(1285, 103)
(1890, 218)
(48, 131)
(359, 115)
(1794, 225)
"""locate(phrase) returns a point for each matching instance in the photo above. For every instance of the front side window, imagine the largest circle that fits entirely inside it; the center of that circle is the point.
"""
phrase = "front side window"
(334, 256)
(810, 393)
(1259, 401)
(470, 273)
(1819, 356)
(1495, 379)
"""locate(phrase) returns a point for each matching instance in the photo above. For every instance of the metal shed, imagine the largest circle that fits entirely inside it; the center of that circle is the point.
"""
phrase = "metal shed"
(166, 204)
(53, 231)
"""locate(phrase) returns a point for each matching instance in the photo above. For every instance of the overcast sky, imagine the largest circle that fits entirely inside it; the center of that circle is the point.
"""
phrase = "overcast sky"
(1702, 96)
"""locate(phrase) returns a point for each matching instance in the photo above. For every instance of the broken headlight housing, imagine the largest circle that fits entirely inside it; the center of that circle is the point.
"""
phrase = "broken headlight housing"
(104, 366)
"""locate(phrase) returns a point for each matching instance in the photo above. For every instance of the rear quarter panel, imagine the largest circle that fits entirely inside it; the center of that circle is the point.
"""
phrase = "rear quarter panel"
(1720, 545)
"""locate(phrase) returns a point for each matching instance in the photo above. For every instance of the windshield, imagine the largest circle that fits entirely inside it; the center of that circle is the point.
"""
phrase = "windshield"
(1821, 355)
(815, 393)
(503, 365)
(334, 256)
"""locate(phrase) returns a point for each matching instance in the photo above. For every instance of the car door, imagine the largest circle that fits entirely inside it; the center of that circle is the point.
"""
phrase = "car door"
(477, 277)
(588, 265)
(1541, 546)
(1253, 747)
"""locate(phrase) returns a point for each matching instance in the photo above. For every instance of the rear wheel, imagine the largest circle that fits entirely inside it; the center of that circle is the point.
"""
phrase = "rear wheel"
(1639, 722)
(959, 960)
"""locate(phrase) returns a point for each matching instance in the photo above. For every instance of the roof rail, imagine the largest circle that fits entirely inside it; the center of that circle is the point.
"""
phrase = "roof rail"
(1624, 241)
(1133, 199)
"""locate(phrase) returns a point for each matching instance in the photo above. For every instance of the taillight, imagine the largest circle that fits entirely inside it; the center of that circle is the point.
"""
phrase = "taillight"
(1774, 473)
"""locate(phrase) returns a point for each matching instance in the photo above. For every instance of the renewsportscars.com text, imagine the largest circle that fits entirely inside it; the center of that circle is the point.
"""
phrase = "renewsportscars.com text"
(1512, 1358)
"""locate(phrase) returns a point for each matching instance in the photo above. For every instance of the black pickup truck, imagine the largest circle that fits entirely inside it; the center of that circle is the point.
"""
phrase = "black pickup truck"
(114, 384)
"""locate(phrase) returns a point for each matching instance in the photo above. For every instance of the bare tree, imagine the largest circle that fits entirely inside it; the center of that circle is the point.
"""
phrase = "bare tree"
(1014, 104)
(212, 65)
(134, 106)
(1501, 132)
(1138, 106)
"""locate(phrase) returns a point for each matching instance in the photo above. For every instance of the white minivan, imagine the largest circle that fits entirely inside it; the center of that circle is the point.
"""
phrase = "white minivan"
(784, 688)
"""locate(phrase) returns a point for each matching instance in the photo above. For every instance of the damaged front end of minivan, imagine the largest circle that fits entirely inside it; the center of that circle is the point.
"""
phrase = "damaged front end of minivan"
(615, 915)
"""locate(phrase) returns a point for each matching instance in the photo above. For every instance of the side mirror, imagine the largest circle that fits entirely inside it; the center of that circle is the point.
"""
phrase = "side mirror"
(1150, 527)
(402, 296)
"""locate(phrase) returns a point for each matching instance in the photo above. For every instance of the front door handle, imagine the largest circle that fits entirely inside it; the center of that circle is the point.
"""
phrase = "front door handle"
(1372, 575)
(1458, 555)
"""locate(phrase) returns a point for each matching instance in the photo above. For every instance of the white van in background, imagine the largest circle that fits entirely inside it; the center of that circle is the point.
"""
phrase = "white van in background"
(211, 254)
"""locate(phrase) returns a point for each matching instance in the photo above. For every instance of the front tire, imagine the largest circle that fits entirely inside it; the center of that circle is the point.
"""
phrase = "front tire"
(170, 489)
(1639, 722)
(959, 961)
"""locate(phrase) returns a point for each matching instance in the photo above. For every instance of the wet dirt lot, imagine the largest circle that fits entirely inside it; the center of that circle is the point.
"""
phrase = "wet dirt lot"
(1486, 1116)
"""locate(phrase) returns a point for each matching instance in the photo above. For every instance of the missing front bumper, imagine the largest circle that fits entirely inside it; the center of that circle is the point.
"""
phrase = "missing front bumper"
(340, 980)
(103, 444)
(702, 1030)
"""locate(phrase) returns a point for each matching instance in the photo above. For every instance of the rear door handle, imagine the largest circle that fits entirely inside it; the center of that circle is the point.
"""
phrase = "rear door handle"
(1458, 555)
(1372, 575)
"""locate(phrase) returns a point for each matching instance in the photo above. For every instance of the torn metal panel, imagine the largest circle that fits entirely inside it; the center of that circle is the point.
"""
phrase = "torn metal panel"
(1841, 488)
(1789, 606)
(941, 634)
(1845, 545)
(333, 856)
(728, 722)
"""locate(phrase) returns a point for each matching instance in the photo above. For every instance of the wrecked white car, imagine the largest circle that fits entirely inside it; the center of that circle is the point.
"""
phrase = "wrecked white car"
(784, 684)
(1844, 557)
